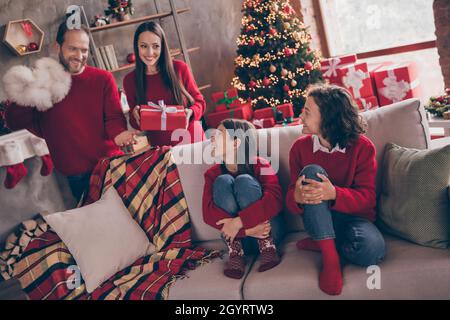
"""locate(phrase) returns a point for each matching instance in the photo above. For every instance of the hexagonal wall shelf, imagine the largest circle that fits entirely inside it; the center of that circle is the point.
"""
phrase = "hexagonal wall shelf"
(16, 37)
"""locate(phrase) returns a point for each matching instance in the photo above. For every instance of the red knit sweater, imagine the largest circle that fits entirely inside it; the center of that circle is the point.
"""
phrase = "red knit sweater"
(264, 209)
(79, 129)
(353, 175)
(157, 90)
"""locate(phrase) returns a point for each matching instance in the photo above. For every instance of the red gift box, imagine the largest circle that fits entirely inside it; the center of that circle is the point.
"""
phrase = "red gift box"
(355, 77)
(329, 67)
(372, 67)
(397, 82)
(368, 103)
(286, 109)
(159, 117)
(244, 112)
(226, 100)
(263, 123)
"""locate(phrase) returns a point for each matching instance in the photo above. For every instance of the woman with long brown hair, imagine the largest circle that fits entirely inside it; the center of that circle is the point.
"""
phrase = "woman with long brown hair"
(158, 77)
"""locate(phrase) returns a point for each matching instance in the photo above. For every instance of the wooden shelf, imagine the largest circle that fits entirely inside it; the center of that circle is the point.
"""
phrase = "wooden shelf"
(137, 20)
(173, 53)
(14, 36)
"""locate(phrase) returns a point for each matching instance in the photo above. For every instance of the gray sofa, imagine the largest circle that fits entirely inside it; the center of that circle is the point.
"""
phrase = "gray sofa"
(409, 271)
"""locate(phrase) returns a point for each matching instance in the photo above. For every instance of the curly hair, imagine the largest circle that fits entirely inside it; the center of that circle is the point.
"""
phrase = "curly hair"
(341, 124)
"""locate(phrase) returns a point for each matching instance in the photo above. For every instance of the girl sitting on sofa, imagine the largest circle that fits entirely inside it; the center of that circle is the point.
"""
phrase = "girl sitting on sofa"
(241, 195)
(333, 170)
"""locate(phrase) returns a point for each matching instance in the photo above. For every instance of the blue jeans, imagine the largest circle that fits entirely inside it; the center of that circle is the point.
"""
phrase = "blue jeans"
(357, 239)
(235, 194)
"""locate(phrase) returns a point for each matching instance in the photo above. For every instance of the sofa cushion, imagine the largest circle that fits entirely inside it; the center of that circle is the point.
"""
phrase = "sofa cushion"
(409, 271)
(403, 123)
(102, 237)
(208, 282)
(414, 198)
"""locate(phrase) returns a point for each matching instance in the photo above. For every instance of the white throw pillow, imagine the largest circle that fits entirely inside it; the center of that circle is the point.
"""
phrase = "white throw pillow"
(102, 237)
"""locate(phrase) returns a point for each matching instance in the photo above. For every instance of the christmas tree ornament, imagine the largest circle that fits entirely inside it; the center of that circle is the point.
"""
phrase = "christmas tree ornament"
(252, 84)
(256, 57)
(131, 58)
(287, 52)
(33, 46)
(273, 31)
(284, 72)
(262, 33)
(266, 82)
(308, 66)
(272, 68)
(286, 25)
(21, 48)
(293, 83)
(296, 35)
(251, 42)
(286, 88)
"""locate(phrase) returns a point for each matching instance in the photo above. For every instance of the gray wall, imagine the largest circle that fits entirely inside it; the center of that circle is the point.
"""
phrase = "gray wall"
(212, 25)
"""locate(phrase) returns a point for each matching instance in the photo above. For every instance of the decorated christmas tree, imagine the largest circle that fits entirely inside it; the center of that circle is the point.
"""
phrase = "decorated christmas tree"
(275, 63)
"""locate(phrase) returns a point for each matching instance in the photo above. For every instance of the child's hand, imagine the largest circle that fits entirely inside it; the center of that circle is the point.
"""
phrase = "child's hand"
(261, 231)
(230, 228)
(325, 188)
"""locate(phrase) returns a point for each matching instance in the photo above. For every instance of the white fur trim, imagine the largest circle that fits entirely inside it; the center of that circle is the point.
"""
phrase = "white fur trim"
(41, 87)
(39, 146)
(11, 153)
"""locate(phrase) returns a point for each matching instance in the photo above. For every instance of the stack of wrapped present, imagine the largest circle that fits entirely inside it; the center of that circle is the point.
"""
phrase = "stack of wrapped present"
(372, 85)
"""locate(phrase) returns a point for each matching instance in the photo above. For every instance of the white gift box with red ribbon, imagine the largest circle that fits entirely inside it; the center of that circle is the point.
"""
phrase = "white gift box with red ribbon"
(330, 66)
(397, 82)
(355, 77)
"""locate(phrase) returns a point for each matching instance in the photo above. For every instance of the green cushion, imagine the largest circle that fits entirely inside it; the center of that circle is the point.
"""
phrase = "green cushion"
(414, 201)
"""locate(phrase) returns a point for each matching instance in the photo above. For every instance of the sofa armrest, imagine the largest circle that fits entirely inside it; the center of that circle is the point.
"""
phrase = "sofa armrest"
(439, 143)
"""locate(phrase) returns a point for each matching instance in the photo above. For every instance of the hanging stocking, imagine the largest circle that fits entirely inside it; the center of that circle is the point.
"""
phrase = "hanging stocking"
(14, 174)
(12, 158)
(41, 150)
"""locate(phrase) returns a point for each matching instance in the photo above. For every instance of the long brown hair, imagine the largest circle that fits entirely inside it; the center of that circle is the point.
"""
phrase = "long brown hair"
(165, 66)
(246, 132)
(341, 123)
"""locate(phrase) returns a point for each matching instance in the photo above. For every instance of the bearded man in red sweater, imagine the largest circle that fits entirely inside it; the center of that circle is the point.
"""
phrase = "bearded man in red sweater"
(74, 107)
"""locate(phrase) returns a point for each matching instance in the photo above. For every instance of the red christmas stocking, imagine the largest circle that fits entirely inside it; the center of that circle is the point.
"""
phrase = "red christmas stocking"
(47, 165)
(14, 174)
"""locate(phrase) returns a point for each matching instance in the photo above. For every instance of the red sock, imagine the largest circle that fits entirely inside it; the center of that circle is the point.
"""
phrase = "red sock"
(47, 165)
(330, 279)
(14, 174)
(307, 244)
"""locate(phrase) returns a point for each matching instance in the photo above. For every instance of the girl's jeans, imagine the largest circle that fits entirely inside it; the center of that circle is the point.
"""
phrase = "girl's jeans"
(235, 194)
(357, 239)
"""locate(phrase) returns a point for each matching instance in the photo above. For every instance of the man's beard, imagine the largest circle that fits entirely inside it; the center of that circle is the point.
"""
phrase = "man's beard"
(66, 64)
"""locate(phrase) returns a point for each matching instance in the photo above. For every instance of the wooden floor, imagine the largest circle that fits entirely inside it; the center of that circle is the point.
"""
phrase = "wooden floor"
(11, 290)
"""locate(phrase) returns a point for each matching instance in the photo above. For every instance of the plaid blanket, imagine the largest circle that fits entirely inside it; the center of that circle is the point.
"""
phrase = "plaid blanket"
(151, 190)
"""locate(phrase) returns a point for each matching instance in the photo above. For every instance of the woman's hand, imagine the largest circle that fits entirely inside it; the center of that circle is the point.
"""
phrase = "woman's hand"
(126, 138)
(230, 228)
(261, 231)
(137, 115)
(189, 114)
(314, 192)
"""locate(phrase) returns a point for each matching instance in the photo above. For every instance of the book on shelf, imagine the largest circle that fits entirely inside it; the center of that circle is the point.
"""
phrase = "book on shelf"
(105, 58)
(112, 53)
(99, 59)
